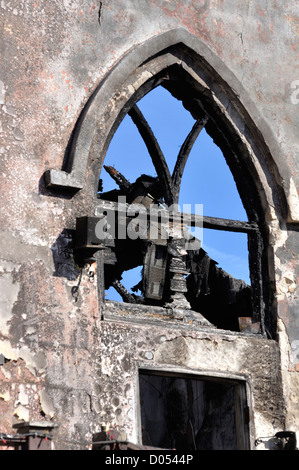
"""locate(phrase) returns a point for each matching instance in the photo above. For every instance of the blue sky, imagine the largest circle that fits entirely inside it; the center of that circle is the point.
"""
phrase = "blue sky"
(207, 179)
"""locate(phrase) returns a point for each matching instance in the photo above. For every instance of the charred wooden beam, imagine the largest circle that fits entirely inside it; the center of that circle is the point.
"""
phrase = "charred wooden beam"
(228, 225)
(154, 151)
(184, 154)
(255, 246)
(122, 182)
(215, 223)
(189, 219)
(123, 292)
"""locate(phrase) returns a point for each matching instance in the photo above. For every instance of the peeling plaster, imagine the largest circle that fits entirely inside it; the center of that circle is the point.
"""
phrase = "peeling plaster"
(35, 362)
(9, 295)
(277, 235)
(22, 397)
(286, 283)
(22, 413)
(46, 404)
(294, 201)
(284, 346)
(290, 281)
(5, 396)
(263, 428)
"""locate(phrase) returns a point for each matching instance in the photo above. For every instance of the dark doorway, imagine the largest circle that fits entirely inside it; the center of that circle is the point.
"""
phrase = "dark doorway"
(193, 413)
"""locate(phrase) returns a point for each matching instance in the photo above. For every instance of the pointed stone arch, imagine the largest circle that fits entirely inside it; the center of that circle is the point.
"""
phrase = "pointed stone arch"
(194, 74)
(175, 57)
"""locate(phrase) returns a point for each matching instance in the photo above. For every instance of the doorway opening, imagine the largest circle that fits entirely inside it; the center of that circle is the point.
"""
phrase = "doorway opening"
(186, 412)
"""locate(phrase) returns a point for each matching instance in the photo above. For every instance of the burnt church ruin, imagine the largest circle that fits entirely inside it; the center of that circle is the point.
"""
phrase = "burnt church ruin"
(190, 357)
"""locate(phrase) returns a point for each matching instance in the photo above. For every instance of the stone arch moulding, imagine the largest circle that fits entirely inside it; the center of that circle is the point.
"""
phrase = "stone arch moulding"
(145, 67)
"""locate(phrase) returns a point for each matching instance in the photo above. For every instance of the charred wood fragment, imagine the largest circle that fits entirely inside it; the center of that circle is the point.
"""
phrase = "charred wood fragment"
(154, 151)
(217, 295)
(124, 293)
(172, 276)
(122, 182)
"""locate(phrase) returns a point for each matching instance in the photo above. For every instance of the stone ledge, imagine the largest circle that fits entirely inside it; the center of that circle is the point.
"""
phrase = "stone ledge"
(165, 317)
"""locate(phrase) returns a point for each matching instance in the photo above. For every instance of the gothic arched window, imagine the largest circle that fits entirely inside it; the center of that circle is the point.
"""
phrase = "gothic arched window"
(138, 170)
(217, 103)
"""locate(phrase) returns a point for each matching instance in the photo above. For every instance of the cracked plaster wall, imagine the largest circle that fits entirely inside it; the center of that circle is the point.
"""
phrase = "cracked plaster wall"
(54, 55)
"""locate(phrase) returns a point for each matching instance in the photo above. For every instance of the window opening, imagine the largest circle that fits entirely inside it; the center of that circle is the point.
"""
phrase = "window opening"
(208, 178)
(192, 413)
(128, 154)
(128, 286)
(222, 285)
(169, 121)
(230, 250)
(171, 275)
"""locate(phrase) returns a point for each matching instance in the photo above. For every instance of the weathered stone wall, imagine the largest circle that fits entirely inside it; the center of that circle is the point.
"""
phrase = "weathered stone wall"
(61, 362)
(127, 348)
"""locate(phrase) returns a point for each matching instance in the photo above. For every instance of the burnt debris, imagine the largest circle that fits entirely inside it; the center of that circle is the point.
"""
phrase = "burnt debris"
(170, 275)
